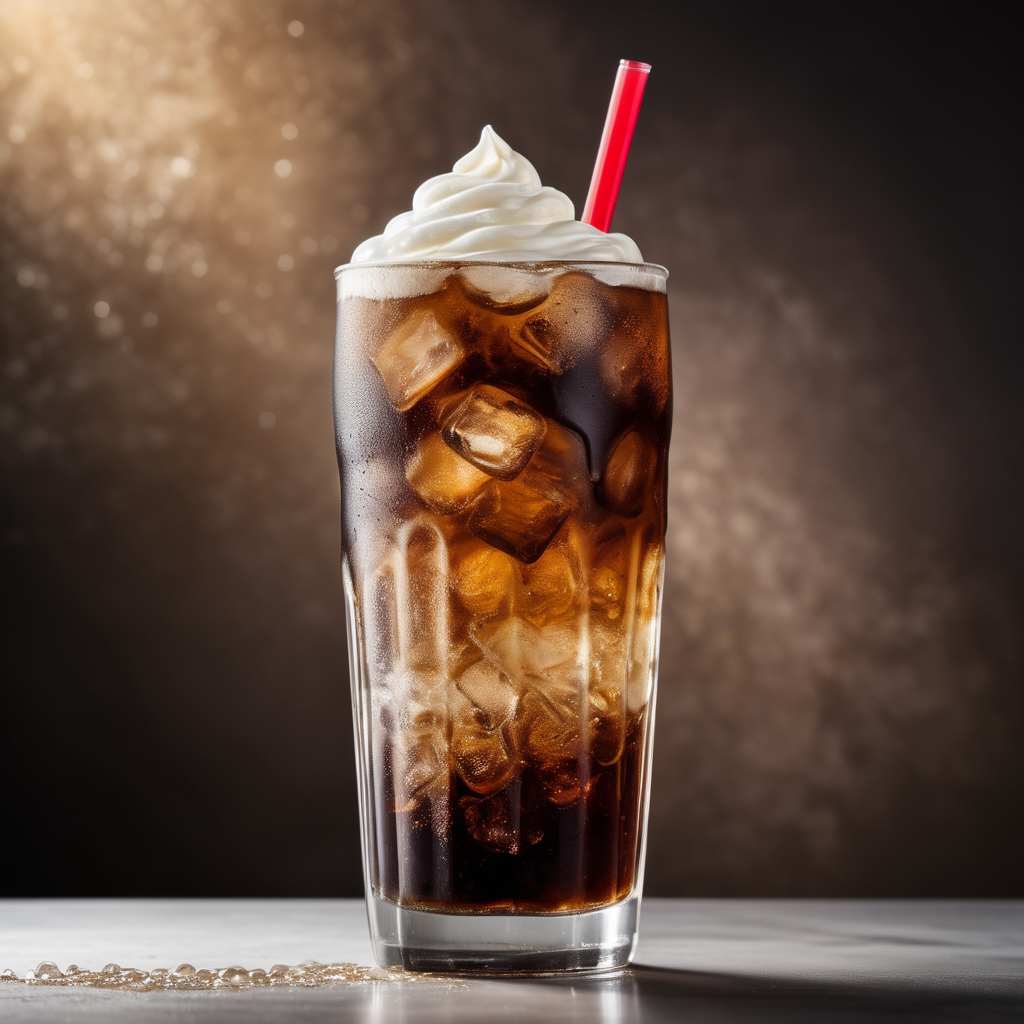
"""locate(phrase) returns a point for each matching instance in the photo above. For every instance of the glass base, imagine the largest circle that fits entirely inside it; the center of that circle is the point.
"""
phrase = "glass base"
(418, 940)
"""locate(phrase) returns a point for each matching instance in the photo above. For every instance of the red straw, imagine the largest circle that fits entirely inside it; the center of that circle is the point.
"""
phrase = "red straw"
(627, 95)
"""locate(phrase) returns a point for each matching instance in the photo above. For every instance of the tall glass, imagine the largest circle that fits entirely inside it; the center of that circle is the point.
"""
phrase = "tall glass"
(502, 434)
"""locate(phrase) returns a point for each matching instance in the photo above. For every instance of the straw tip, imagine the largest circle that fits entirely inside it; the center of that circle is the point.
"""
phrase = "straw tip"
(634, 65)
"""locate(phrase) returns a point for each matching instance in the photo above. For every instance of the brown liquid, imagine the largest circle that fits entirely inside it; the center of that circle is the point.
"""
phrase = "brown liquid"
(503, 479)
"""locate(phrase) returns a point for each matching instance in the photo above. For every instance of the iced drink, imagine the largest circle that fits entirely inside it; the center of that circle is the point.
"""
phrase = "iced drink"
(502, 429)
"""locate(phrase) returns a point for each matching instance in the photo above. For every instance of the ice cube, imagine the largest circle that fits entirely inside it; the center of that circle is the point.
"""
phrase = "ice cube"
(570, 322)
(563, 457)
(495, 431)
(490, 693)
(627, 473)
(552, 716)
(511, 291)
(554, 587)
(420, 758)
(416, 358)
(485, 579)
(496, 821)
(550, 734)
(443, 480)
(529, 656)
(521, 516)
(481, 705)
(606, 734)
(608, 568)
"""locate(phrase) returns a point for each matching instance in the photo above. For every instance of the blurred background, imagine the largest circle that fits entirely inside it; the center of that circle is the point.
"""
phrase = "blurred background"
(835, 191)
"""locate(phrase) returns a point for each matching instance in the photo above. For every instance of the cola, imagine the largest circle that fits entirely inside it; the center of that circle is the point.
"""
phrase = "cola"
(502, 437)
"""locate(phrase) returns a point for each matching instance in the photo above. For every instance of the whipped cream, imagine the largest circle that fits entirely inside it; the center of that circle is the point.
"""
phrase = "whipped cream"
(492, 207)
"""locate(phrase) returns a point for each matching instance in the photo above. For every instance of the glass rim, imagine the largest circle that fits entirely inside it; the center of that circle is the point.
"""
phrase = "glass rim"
(543, 264)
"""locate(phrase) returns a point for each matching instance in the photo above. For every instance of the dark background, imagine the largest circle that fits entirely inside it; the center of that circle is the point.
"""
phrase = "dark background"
(835, 191)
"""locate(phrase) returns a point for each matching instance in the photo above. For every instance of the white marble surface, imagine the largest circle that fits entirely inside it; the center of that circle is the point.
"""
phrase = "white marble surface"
(698, 960)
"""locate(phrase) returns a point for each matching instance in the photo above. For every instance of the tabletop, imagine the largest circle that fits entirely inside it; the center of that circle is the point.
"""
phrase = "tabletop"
(718, 961)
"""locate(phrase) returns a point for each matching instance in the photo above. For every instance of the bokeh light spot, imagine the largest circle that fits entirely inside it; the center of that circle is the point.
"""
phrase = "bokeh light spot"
(267, 420)
(309, 247)
(289, 131)
(283, 168)
(199, 268)
(85, 70)
(17, 134)
(101, 309)
(285, 262)
(296, 28)
(150, 320)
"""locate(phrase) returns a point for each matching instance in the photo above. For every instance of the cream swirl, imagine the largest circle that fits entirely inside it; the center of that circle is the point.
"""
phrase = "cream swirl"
(492, 206)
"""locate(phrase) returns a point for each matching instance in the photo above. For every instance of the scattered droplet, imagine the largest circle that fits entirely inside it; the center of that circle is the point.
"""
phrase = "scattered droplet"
(185, 977)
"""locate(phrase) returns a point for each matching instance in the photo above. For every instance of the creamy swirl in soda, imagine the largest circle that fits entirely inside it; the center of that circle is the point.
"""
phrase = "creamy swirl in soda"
(492, 206)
